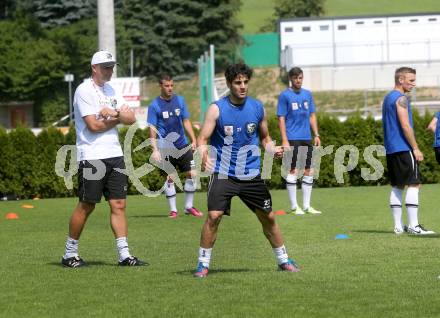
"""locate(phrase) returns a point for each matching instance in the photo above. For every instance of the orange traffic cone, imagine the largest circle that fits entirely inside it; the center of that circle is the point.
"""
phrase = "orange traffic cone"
(280, 212)
(11, 216)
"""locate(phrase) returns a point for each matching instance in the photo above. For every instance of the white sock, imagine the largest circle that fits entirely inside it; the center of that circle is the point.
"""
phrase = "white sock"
(170, 193)
(412, 206)
(205, 256)
(71, 248)
(396, 206)
(291, 190)
(307, 183)
(190, 189)
(281, 254)
(122, 247)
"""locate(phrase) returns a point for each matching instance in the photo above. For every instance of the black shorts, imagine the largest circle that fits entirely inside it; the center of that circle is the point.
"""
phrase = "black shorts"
(253, 193)
(305, 149)
(437, 154)
(403, 169)
(178, 158)
(108, 182)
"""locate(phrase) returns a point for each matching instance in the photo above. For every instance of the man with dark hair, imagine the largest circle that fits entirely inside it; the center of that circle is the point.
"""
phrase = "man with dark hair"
(235, 125)
(97, 112)
(168, 117)
(296, 115)
(403, 153)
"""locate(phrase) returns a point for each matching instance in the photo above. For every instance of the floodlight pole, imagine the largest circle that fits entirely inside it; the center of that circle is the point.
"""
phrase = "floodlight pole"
(106, 28)
(69, 79)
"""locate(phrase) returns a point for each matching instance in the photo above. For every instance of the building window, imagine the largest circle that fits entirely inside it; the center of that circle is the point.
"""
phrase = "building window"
(323, 27)
(306, 28)
(360, 22)
(288, 29)
(432, 19)
(377, 22)
(395, 21)
(342, 27)
(414, 20)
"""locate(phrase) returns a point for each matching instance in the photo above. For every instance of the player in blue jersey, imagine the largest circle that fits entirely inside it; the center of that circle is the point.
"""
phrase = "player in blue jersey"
(402, 152)
(434, 126)
(296, 116)
(235, 125)
(168, 118)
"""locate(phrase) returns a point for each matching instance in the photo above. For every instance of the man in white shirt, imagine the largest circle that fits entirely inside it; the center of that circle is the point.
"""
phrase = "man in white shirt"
(97, 112)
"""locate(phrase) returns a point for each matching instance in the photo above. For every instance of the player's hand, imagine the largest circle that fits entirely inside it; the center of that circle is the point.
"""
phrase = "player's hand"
(285, 145)
(279, 151)
(418, 154)
(156, 157)
(193, 145)
(108, 112)
(317, 141)
(125, 108)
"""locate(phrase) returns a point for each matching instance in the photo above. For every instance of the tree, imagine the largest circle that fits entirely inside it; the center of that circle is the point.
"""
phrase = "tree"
(293, 9)
(169, 35)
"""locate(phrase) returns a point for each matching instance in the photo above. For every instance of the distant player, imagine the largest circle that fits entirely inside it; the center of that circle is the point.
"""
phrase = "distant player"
(403, 153)
(434, 126)
(296, 115)
(168, 116)
(235, 125)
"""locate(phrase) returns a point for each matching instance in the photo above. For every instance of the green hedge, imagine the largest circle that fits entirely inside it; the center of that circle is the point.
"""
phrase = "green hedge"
(28, 162)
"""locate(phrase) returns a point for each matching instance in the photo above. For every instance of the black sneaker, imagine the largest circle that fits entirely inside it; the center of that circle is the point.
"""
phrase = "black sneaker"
(73, 262)
(132, 261)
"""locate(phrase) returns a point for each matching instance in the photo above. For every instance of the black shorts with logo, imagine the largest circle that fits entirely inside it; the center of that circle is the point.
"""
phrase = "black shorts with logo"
(305, 149)
(253, 193)
(178, 158)
(108, 182)
(403, 169)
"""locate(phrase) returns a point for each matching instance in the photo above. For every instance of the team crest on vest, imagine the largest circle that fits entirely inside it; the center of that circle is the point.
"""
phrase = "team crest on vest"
(165, 115)
(294, 106)
(250, 128)
(177, 111)
(229, 130)
(306, 105)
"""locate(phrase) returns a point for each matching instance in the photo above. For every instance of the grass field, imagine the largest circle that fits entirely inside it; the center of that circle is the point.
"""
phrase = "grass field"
(254, 14)
(372, 274)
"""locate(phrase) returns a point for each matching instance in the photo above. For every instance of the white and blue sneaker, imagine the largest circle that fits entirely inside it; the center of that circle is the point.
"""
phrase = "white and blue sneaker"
(419, 230)
(297, 211)
(312, 211)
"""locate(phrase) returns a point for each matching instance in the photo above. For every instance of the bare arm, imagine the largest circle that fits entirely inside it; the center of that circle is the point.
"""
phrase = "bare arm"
(266, 140)
(207, 129)
(99, 126)
(282, 125)
(153, 139)
(402, 115)
(189, 129)
(432, 125)
(314, 125)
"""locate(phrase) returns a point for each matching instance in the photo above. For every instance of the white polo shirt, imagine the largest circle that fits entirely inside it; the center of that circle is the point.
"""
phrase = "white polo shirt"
(89, 99)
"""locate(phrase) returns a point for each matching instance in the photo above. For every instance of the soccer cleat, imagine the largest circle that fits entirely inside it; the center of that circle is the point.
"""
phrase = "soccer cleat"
(172, 214)
(73, 262)
(132, 261)
(312, 211)
(289, 266)
(201, 271)
(419, 230)
(297, 211)
(193, 211)
(402, 230)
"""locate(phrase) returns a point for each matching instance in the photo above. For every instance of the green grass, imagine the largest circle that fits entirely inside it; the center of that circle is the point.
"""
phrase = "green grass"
(254, 14)
(372, 274)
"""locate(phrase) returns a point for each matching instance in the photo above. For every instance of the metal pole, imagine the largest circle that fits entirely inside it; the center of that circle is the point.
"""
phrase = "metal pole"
(106, 28)
(131, 62)
(70, 103)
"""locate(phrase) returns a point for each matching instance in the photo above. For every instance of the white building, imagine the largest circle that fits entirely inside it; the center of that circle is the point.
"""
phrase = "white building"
(362, 49)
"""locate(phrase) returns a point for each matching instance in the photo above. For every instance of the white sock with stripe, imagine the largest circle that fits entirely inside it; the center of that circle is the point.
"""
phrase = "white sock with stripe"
(170, 193)
(306, 186)
(71, 248)
(396, 206)
(291, 190)
(412, 206)
(122, 247)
